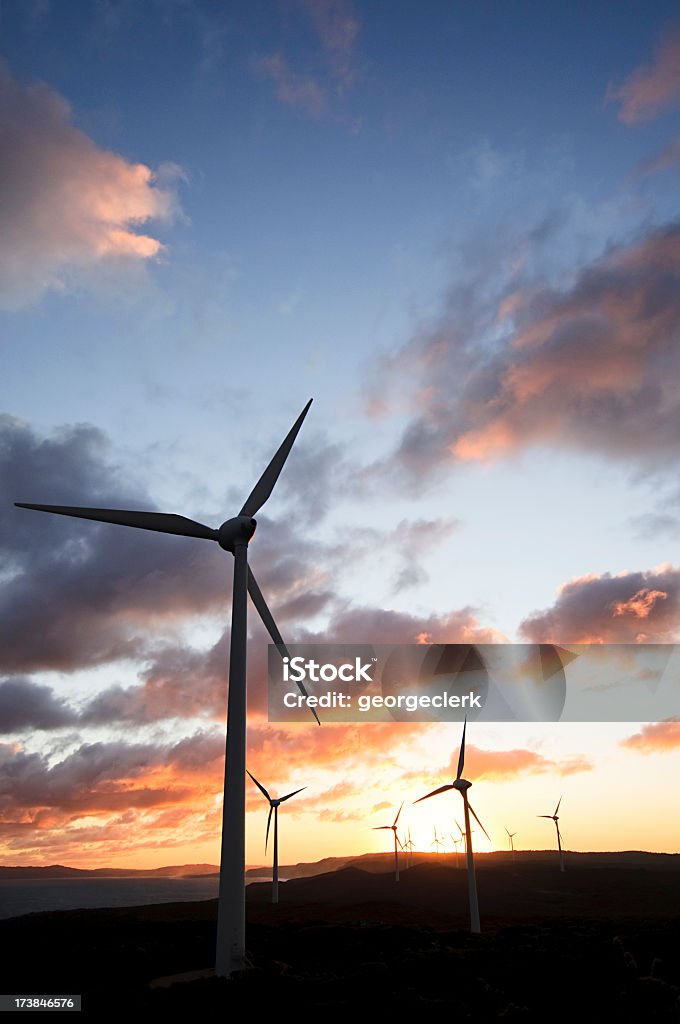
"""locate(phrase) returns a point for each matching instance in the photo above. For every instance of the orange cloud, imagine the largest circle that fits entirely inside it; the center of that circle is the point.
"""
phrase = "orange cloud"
(503, 764)
(652, 88)
(68, 205)
(654, 738)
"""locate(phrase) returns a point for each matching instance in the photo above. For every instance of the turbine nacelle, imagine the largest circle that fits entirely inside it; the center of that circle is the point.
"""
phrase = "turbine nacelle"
(462, 785)
(239, 529)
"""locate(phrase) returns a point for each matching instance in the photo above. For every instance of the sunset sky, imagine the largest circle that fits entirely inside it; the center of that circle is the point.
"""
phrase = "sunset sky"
(456, 227)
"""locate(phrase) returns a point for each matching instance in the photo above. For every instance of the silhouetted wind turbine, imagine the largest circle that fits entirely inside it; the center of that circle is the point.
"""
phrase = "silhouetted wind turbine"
(274, 806)
(234, 535)
(436, 841)
(462, 785)
(511, 835)
(554, 817)
(380, 828)
(408, 845)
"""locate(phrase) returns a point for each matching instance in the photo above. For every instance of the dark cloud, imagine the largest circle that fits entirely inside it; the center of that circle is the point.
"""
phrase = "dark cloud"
(100, 777)
(25, 706)
(83, 593)
(632, 607)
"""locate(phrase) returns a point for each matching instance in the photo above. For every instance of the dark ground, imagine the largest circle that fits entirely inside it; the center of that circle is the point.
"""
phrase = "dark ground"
(599, 943)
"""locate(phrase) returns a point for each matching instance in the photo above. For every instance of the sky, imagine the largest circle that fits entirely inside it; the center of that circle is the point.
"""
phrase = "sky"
(454, 226)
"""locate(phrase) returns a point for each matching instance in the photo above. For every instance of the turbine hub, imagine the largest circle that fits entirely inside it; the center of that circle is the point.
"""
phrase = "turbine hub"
(462, 785)
(239, 529)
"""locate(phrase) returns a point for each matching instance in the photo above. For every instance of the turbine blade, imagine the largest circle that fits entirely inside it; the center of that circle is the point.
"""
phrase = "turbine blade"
(558, 805)
(461, 756)
(545, 816)
(161, 522)
(269, 821)
(259, 786)
(281, 799)
(271, 627)
(398, 813)
(399, 841)
(381, 828)
(435, 792)
(479, 822)
(265, 485)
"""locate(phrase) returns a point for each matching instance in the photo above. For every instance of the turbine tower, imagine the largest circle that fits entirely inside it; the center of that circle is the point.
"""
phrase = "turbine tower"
(462, 785)
(234, 535)
(393, 827)
(274, 806)
(555, 817)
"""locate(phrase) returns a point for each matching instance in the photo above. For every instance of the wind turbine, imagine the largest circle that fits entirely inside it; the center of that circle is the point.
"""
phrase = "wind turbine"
(554, 817)
(234, 535)
(511, 835)
(456, 842)
(274, 806)
(408, 845)
(436, 841)
(462, 785)
(380, 828)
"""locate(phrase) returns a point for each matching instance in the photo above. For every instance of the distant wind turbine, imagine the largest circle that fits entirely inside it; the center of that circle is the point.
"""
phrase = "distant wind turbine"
(462, 785)
(234, 535)
(555, 817)
(274, 806)
(408, 845)
(393, 828)
(436, 842)
(511, 836)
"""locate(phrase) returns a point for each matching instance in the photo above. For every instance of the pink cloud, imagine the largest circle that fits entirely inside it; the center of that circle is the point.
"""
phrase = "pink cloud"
(68, 205)
(293, 88)
(650, 88)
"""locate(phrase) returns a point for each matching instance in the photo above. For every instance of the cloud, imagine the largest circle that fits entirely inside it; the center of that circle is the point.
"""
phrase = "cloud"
(631, 607)
(26, 706)
(337, 28)
(657, 737)
(86, 594)
(668, 157)
(292, 88)
(68, 206)
(504, 764)
(112, 776)
(594, 367)
(333, 68)
(650, 89)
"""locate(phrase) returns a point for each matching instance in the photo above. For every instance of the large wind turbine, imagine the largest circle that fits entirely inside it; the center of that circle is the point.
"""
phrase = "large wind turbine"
(274, 806)
(462, 785)
(393, 827)
(554, 817)
(234, 535)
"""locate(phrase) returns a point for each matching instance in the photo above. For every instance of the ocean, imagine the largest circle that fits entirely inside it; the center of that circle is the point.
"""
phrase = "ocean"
(29, 896)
